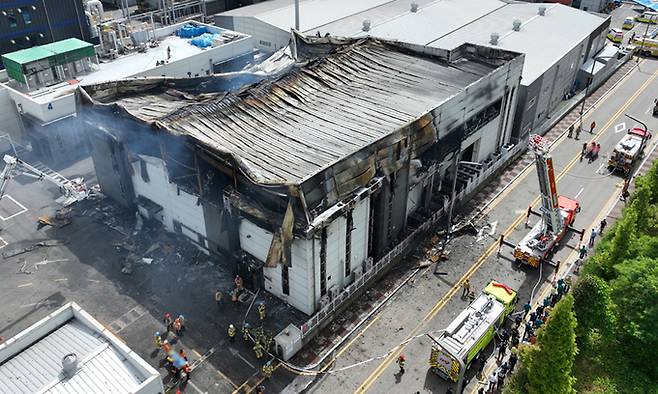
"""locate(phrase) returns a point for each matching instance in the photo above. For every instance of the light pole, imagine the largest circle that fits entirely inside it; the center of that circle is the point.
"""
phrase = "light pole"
(589, 82)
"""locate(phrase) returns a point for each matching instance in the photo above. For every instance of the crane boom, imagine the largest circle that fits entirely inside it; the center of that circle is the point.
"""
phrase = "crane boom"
(73, 190)
(546, 175)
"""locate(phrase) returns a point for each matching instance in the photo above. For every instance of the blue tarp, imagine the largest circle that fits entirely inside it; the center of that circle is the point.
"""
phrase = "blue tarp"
(653, 4)
(189, 31)
(204, 40)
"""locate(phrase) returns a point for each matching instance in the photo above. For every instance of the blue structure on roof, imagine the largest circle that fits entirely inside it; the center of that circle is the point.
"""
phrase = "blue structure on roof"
(653, 4)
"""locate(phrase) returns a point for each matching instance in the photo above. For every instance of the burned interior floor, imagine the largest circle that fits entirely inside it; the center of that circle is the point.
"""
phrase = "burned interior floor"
(85, 265)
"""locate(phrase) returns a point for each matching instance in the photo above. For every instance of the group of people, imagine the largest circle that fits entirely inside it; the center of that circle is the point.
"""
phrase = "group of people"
(590, 151)
(176, 363)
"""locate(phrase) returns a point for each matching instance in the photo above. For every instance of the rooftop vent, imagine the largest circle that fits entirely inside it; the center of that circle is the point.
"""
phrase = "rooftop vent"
(542, 10)
(366, 25)
(516, 25)
(414, 6)
(494, 38)
(69, 364)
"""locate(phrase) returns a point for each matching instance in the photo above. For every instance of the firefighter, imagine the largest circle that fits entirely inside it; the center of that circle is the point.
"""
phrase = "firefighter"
(268, 369)
(167, 322)
(245, 332)
(258, 349)
(231, 333)
(401, 361)
(592, 126)
(570, 132)
(466, 288)
(261, 311)
(158, 340)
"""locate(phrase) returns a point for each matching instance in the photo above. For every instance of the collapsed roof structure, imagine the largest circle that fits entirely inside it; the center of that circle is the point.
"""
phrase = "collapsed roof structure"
(274, 164)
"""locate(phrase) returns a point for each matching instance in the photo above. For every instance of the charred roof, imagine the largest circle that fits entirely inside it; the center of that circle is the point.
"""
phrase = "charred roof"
(340, 96)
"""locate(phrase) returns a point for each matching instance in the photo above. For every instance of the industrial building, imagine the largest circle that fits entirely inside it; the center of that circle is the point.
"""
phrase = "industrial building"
(69, 351)
(38, 104)
(28, 23)
(310, 177)
(556, 39)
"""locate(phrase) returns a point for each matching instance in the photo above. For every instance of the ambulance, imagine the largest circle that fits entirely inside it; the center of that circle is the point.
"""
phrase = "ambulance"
(469, 334)
(616, 35)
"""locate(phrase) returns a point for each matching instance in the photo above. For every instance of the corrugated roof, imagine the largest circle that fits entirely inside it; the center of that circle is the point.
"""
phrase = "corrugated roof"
(287, 130)
(39, 367)
(29, 55)
(544, 39)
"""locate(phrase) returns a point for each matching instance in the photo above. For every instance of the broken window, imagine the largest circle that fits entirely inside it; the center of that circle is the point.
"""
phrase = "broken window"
(348, 243)
(323, 262)
(144, 170)
(285, 280)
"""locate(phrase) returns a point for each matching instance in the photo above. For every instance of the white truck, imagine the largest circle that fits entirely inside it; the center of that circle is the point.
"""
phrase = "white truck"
(627, 150)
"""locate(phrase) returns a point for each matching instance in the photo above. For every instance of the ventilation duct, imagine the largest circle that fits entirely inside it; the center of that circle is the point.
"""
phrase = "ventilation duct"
(69, 364)
(516, 25)
(542, 10)
(366, 25)
(494, 39)
(414, 6)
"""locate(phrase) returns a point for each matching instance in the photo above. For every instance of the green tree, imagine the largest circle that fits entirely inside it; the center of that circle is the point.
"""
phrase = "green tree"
(593, 307)
(549, 364)
(640, 204)
(617, 249)
(635, 291)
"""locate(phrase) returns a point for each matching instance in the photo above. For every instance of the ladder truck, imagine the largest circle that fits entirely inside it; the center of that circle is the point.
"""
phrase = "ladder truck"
(557, 213)
(73, 190)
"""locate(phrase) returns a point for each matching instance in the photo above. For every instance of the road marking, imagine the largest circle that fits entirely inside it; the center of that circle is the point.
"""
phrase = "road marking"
(235, 386)
(23, 209)
(4, 243)
(25, 285)
(246, 361)
(620, 127)
(61, 280)
(444, 300)
(189, 382)
(199, 355)
(578, 194)
(347, 346)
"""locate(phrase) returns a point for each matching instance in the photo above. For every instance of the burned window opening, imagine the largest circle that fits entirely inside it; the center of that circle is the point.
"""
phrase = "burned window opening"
(144, 170)
(348, 243)
(285, 280)
(323, 261)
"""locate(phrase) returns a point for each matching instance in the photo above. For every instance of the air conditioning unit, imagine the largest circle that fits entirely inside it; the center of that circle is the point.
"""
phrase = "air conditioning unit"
(288, 342)
(324, 301)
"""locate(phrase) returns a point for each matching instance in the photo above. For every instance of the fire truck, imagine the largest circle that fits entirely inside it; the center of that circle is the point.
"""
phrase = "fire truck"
(471, 332)
(556, 213)
(627, 150)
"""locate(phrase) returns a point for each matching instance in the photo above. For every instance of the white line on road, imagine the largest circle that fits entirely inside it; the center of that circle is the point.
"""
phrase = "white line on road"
(189, 382)
(4, 243)
(578, 194)
(598, 170)
(23, 209)
(246, 361)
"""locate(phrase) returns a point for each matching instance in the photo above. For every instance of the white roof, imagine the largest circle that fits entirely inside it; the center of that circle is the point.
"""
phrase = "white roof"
(543, 39)
(32, 361)
(443, 24)
(471, 324)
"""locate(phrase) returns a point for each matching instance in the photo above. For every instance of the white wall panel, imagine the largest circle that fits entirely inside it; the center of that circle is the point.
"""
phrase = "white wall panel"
(176, 205)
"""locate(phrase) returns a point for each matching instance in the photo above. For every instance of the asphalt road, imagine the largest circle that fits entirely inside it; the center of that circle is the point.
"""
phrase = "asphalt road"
(429, 303)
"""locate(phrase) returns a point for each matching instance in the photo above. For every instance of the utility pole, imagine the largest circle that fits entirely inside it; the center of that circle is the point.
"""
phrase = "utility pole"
(297, 15)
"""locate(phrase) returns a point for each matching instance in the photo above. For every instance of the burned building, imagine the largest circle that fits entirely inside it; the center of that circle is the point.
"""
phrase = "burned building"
(308, 178)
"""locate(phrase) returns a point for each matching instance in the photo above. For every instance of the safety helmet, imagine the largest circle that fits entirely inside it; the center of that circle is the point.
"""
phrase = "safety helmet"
(157, 333)
(167, 314)
(230, 326)
(401, 357)
(181, 317)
